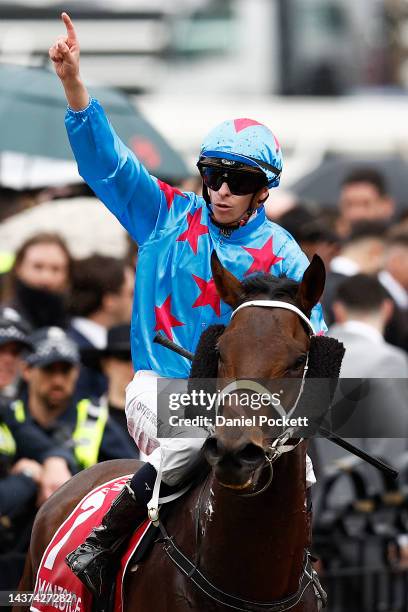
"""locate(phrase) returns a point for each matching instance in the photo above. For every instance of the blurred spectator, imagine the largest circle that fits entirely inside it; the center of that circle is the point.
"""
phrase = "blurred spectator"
(13, 341)
(394, 277)
(74, 422)
(313, 234)
(132, 252)
(362, 308)
(102, 295)
(31, 468)
(192, 183)
(116, 363)
(279, 203)
(362, 252)
(39, 280)
(363, 197)
(401, 224)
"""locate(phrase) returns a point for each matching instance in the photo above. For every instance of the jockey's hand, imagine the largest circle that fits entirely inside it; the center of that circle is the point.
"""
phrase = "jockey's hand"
(55, 474)
(30, 467)
(65, 56)
(65, 52)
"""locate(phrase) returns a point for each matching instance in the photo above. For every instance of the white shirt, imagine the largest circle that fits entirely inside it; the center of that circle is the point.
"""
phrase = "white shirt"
(363, 329)
(394, 288)
(94, 332)
(344, 265)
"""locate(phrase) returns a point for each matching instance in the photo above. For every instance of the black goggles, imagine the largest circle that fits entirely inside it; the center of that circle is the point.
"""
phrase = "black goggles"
(240, 182)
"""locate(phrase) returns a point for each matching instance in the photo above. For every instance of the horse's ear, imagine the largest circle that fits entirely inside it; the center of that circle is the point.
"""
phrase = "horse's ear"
(228, 286)
(312, 285)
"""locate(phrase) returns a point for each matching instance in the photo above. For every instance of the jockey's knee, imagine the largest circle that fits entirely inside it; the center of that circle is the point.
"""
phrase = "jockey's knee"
(177, 456)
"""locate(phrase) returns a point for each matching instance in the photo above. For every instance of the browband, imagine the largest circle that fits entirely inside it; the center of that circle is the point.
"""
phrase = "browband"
(277, 304)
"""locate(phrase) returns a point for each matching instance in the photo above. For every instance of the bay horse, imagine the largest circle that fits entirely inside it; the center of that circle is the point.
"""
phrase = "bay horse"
(250, 549)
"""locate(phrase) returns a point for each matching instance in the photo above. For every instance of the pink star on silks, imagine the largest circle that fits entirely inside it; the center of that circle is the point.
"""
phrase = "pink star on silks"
(194, 231)
(169, 192)
(241, 124)
(264, 258)
(164, 319)
(208, 296)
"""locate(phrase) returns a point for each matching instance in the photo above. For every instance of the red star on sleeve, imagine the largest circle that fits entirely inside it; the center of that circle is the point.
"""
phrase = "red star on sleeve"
(208, 296)
(264, 258)
(194, 231)
(169, 192)
(164, 319)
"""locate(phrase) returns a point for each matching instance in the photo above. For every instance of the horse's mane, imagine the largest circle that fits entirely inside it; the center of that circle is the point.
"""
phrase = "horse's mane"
(272, 287)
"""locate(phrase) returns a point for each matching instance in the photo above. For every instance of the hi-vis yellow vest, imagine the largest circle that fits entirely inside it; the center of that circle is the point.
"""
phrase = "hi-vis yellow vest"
(88, 432)
(7, 443)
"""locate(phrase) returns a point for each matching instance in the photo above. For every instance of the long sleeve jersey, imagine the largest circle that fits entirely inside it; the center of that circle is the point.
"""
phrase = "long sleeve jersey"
(175, 292)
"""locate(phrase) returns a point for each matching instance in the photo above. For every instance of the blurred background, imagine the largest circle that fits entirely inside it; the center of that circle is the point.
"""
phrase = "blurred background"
(330, 78)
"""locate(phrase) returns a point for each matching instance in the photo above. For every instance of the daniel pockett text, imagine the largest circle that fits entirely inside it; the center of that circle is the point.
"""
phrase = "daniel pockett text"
(248, 398)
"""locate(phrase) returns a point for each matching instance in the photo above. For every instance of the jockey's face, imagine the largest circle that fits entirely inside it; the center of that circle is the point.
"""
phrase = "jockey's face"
(228, 208)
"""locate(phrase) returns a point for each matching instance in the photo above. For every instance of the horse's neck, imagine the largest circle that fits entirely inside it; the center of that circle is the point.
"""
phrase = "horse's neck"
(254, 547)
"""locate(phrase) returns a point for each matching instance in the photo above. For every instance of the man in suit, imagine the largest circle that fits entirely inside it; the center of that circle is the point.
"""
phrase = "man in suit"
(361, 252)
(376, 414)
(362, 309)
(394, 277)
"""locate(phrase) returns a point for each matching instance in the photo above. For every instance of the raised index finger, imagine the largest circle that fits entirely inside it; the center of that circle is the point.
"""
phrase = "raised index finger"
(69, 26)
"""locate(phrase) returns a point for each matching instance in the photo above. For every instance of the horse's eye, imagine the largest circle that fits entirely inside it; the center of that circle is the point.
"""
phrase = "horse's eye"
(299, 363)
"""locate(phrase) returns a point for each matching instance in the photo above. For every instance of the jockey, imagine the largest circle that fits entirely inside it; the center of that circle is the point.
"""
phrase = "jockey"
(240, 160)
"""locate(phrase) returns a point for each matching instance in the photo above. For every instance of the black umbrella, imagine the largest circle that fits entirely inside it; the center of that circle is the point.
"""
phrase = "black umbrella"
(323, 184)
(32, 109)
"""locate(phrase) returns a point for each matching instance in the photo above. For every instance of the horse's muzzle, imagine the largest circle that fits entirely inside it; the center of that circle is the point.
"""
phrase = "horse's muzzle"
(234, 464)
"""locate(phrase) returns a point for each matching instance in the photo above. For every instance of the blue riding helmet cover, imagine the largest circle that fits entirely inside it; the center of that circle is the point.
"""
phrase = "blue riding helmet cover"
(246, 141)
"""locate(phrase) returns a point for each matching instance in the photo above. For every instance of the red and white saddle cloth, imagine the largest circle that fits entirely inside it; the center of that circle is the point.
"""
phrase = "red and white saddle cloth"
(56, 587)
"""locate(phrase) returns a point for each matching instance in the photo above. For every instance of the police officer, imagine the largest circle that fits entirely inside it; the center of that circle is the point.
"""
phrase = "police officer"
(28, 459)
(115, 361)
(80, 424)
(14, 340)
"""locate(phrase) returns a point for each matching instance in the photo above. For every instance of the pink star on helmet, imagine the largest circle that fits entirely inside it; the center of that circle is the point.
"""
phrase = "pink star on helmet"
(241, 124)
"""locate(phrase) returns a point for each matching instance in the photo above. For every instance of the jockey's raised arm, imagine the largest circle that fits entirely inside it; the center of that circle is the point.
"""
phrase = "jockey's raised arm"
(108, 166)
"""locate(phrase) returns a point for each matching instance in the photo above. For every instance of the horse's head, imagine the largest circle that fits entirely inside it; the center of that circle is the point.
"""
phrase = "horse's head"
(259, 343)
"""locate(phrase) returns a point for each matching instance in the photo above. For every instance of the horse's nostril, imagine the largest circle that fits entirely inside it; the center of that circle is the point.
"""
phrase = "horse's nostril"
(211, 450)
(251, 453)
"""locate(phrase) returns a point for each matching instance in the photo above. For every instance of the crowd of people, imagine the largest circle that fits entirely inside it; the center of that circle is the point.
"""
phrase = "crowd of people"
(65, 361)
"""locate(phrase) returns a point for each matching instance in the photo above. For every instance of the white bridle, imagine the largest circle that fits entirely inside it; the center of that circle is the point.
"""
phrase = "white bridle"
(279, 446)
(276, 304)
